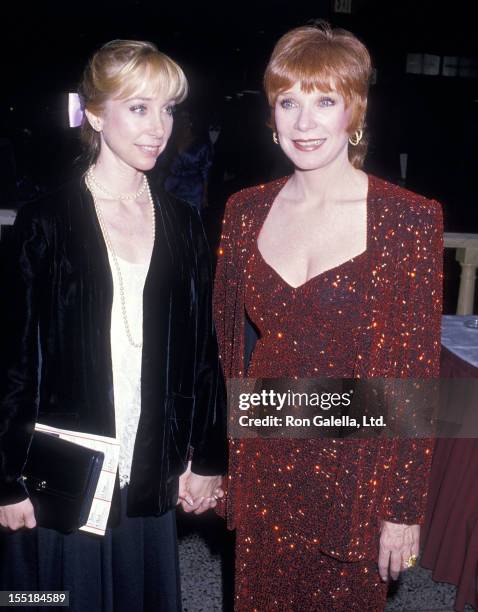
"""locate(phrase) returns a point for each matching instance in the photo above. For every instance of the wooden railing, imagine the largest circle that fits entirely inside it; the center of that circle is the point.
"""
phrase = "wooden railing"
(466, 246)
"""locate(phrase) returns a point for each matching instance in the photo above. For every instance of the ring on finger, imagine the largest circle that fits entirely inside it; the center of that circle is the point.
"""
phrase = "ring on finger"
(411, 561)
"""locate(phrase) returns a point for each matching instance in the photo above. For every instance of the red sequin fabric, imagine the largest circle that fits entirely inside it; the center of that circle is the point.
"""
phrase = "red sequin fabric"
(308, 511)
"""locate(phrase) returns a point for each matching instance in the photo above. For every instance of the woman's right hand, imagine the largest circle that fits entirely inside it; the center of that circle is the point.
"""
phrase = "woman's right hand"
(16, 516)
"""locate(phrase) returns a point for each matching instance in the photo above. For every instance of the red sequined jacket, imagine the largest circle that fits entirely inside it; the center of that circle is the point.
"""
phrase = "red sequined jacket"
(399, 337)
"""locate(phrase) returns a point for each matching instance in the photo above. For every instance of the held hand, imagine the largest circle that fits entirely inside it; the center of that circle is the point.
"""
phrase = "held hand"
(205, 491)
(398, 549)
(16, 516)
(184, 497)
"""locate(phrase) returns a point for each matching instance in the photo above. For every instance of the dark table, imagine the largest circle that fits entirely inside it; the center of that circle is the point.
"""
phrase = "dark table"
(450, 533)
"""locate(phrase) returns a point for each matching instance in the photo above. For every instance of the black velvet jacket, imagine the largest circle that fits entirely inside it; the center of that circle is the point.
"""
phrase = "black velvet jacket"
(56, 308)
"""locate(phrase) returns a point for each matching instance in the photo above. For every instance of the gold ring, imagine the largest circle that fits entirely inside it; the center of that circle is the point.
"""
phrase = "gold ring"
(412, 561)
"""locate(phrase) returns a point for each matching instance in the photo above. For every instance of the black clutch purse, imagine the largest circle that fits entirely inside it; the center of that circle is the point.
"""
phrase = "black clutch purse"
(61, 478)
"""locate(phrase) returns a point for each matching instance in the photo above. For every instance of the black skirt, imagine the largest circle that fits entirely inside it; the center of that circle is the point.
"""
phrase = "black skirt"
(133, 568)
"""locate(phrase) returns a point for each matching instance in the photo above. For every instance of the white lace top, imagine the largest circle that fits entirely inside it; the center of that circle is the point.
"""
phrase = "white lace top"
(127, 359)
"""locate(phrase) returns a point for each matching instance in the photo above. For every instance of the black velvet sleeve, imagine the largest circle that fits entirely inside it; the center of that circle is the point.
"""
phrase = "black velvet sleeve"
(24, 274)
(208, 438)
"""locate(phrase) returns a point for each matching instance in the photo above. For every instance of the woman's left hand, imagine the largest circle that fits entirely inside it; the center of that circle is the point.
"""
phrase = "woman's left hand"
(205, 491)
(398, 548)
(198, 493)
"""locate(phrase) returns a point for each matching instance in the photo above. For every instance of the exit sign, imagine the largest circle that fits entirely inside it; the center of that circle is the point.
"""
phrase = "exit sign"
(342, 6)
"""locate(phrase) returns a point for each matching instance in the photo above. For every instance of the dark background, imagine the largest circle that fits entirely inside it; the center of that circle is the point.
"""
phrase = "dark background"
(223, 48)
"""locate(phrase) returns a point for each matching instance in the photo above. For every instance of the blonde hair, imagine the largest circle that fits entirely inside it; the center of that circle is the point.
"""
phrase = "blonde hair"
(319, 57)
(120, 69)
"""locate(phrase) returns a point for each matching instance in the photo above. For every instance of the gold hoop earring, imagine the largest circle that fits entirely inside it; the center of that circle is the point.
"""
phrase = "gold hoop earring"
(274, 138)
(356, 137)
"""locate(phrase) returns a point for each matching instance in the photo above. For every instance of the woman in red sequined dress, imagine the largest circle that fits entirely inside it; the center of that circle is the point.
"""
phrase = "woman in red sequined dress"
(340, 274)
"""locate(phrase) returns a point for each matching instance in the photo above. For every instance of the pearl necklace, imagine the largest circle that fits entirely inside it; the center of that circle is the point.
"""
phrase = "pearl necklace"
(122, 196)
(91, 186)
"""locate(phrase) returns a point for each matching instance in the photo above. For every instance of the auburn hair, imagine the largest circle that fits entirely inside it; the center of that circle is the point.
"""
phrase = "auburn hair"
(319, 57)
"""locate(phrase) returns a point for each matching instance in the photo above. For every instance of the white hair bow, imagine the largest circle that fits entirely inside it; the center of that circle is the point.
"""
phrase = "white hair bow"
(75, 110)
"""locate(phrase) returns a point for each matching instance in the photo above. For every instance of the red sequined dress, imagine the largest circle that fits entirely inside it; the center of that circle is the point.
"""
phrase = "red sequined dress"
(307, 511)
